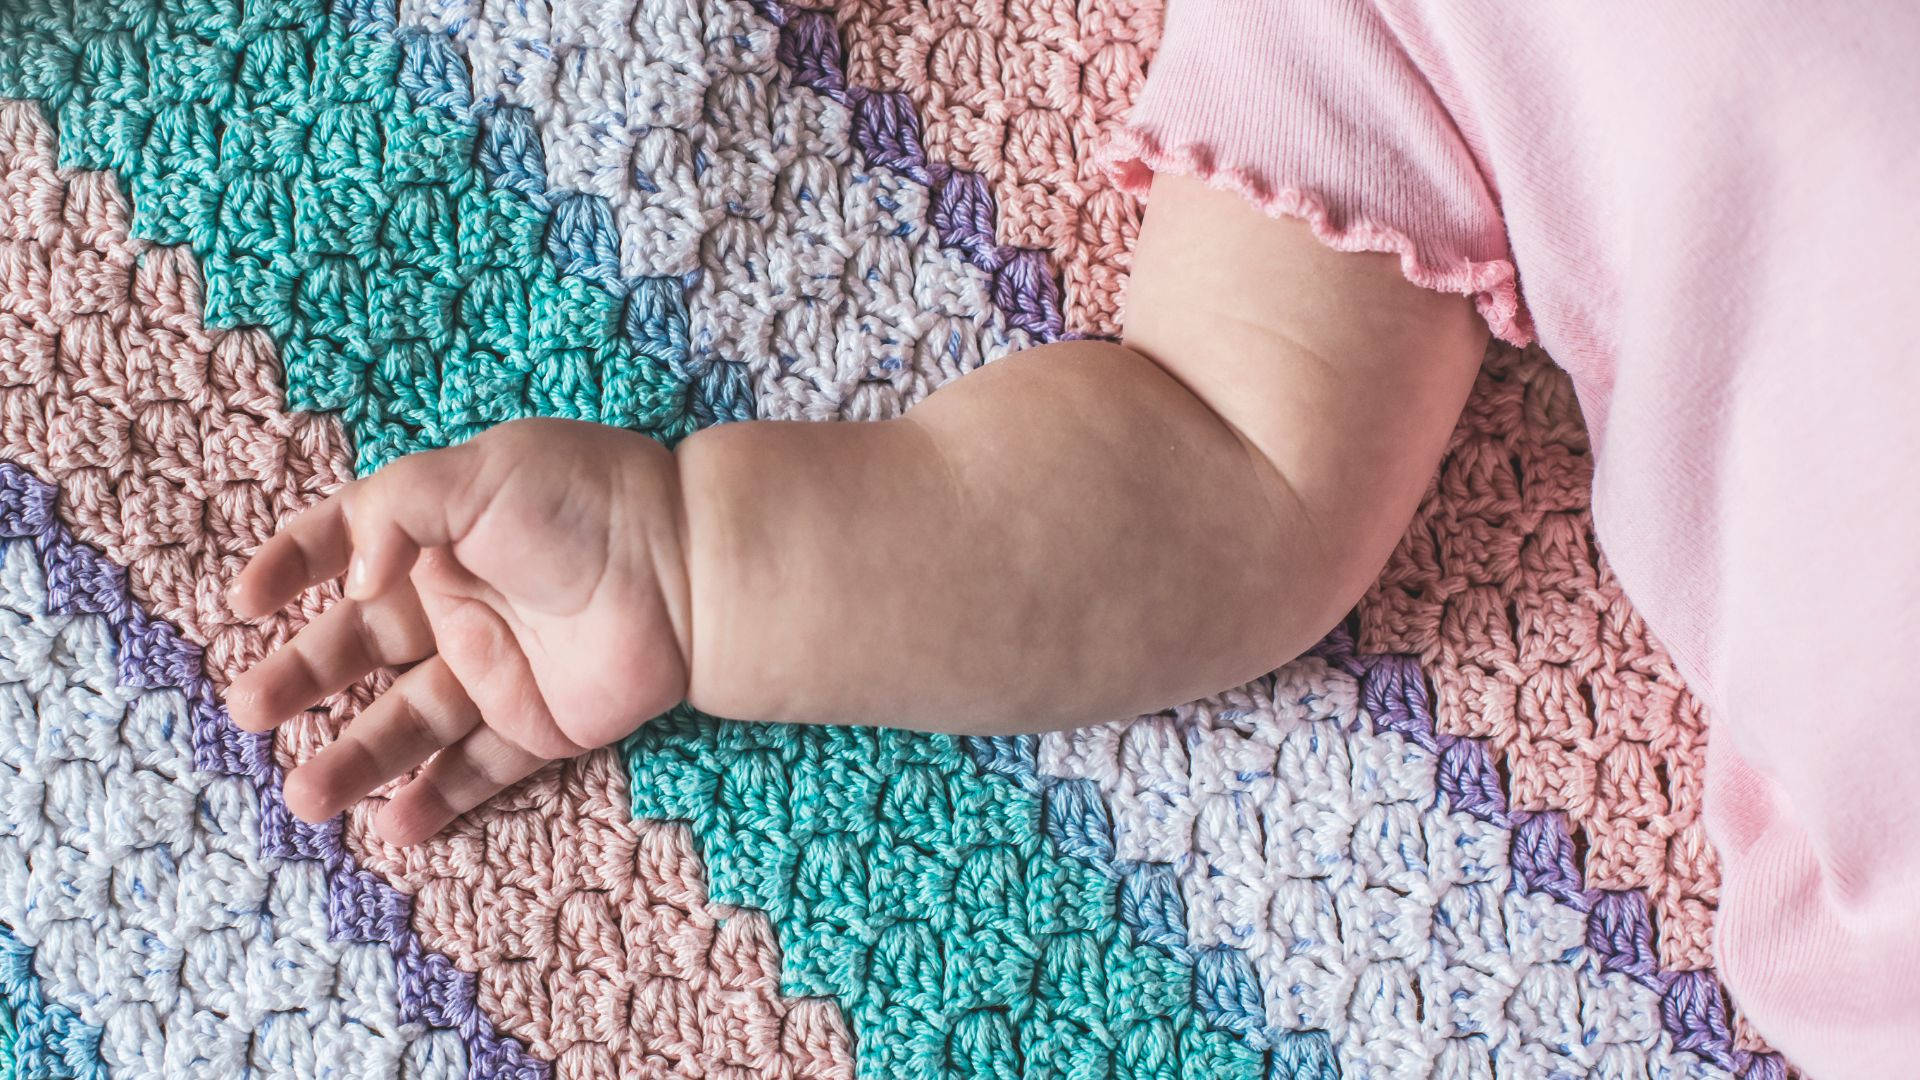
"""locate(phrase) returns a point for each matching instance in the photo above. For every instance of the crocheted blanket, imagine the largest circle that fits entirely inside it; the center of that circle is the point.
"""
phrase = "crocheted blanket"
(249, 249)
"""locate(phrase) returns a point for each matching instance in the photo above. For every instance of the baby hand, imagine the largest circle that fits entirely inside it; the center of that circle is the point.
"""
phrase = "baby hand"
(534, 580)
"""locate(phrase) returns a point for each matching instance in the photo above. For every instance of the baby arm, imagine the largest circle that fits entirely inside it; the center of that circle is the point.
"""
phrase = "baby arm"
(1080, 532)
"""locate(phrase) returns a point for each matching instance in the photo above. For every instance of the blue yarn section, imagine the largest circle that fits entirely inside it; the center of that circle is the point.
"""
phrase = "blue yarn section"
(582, 238)
(368, 16)
(49, 1041)
(434, 74)
(1228, 990)
(511, 156)
(1150, 903)
(1077, 821)
(1302, 1055)
(1226, 987)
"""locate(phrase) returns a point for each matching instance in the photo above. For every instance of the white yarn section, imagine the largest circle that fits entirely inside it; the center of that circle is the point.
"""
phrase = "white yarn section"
(1369, 910)
(819, 273)
(140, 886)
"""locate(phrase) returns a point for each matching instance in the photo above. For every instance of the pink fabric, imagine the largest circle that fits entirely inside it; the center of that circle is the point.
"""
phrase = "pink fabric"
(1714, 210)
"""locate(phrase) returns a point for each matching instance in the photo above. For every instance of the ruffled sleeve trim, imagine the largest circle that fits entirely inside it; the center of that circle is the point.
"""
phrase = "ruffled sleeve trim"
(1131, 156)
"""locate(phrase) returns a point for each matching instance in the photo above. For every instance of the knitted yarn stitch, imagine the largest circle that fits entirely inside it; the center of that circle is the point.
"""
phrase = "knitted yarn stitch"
(1499, 590)
(39, 1038)
(406, 290)
(144, 400)
(169, 899)
(930, 901)
(677, 141)
(170, 440)
(1015, 98)
(1337, 878)
(668, 216)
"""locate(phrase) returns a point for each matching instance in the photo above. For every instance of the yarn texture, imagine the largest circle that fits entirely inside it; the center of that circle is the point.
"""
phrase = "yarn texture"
(236, 465)
(38, 1037)
(250, 250)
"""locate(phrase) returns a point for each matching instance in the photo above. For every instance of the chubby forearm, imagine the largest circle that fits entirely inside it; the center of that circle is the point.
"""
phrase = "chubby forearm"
(1086, 530)
(1067, 536)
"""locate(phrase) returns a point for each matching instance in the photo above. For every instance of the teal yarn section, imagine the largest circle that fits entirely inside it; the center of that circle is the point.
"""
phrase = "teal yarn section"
(927, 898)
(39, 1039)
(406, 290)
(581, 237)
(1227, 990)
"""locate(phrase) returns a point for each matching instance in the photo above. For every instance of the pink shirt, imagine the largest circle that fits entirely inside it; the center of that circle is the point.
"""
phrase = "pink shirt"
(1714, 209)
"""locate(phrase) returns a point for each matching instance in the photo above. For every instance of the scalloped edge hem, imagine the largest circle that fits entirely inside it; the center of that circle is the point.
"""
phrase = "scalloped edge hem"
(1130, 157)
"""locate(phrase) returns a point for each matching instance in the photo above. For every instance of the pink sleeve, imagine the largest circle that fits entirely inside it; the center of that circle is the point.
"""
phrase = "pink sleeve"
(1313, 109)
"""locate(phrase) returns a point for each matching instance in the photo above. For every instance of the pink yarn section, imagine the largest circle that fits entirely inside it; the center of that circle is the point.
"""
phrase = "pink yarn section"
(166, 439)
(591, 934)
(1022, 94)
(569, 909)
(1531, 644)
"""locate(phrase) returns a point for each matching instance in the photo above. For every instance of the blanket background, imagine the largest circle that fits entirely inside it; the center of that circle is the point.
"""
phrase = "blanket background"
(248, 250)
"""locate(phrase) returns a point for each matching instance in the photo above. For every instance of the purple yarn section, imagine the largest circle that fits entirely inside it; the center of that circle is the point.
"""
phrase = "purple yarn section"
(1394, 692)
(1470, 780)
(1620, 933)
(1542, 859)
(963, 213)
(1025, 290)
(1541, 854)
(362, 908)
(809, 49)
(886, 129)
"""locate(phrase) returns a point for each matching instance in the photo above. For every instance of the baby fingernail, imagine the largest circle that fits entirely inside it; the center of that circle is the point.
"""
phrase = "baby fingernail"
(357, 577)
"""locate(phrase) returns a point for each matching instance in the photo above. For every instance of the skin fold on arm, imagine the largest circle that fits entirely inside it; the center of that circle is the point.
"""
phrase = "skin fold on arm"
(1076, 533)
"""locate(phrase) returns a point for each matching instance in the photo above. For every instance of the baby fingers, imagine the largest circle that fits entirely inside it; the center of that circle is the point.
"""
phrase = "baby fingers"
(424, 711)
(371, 530)
(462, 777)
(310, 549)
(328, 655)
